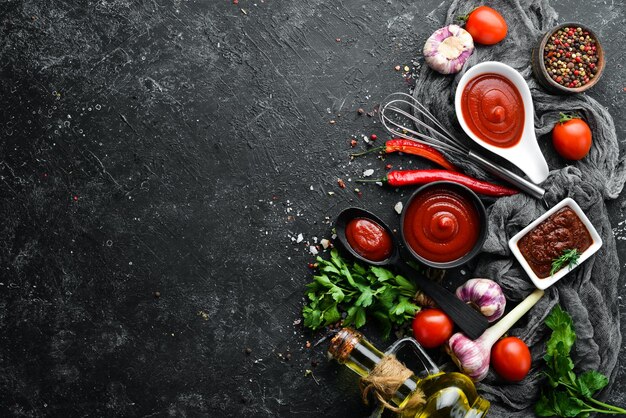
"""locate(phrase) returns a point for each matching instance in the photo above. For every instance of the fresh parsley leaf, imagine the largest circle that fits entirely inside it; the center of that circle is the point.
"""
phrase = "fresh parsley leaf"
(381, 274)
(332, 315)
(568, 406)
(545, 408)
(566, 394)
(337, 294)
(358, 291)
(590, 382)
(312, 317)
(366, 297)
(405, 284)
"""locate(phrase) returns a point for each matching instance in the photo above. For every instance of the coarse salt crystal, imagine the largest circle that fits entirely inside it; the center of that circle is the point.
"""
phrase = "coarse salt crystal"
(313, 250)
(398, 208)
(300, 238)
(368, 172)
(379, 183)
(325, 243)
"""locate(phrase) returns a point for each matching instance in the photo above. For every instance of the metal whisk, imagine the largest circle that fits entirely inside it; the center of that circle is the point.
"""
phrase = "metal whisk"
(405, 117)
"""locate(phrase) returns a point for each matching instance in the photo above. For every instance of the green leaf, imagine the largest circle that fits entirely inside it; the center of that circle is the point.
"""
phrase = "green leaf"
(330, 269)
(337, 294)
(562, 331)
(381, 274)
(323, 280)
(359, 269)
(405, 284)
(558, 318)
(590, 382)
(405, 306)
(359, 321)
(366, 297)
(545, 408)
(312, 317)
(331, 315)
(568, 406)
(356, 316)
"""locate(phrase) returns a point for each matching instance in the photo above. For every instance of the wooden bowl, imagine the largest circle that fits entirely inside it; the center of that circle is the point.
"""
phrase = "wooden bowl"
(539, 68)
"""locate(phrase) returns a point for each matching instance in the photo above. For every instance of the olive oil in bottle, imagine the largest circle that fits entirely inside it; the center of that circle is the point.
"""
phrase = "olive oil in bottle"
(438, 395)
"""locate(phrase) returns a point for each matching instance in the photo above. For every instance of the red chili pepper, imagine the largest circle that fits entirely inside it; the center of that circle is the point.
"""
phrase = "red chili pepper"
(415, 177)
(414, 148)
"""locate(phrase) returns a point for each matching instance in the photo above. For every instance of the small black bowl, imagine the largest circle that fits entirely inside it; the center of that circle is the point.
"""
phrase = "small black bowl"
(482, 218)
(340, 228)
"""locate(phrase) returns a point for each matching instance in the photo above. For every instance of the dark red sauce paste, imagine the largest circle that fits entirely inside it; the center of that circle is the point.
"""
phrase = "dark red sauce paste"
(369, 239)
(561, 231)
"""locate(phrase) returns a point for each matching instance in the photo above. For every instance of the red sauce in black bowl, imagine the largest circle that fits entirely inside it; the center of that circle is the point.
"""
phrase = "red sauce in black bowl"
(368, 239)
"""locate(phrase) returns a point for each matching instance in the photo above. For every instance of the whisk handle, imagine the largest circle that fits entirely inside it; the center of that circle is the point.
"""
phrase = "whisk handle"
(518, 181)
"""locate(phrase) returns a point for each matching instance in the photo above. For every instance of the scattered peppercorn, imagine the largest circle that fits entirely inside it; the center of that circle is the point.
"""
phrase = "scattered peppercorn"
(373, 137)
(570, 57)
(388, 166)
(398, 68)
(341, 183)
(248, 351)
(353, 143)
(360, 111)
(157, 294)
(332, 122)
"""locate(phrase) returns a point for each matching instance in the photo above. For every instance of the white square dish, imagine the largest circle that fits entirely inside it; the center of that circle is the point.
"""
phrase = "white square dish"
(549, 281)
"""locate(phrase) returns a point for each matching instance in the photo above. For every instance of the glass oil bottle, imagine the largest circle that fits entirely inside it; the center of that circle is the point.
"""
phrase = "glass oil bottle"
(447, 395)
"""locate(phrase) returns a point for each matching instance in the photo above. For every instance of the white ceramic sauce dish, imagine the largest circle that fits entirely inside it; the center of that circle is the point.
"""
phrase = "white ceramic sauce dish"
(526, 154)
(550, 280)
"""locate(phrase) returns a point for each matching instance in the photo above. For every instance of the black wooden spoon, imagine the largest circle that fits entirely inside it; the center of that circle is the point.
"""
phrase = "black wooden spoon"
(471, 322)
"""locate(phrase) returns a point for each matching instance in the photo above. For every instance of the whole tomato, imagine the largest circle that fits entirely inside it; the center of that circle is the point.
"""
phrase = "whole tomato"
(432, 327)
(486, 25)
(510, 358)
(571, 137)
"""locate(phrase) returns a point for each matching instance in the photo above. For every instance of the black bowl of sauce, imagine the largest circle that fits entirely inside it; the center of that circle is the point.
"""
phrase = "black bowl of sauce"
(366, 237)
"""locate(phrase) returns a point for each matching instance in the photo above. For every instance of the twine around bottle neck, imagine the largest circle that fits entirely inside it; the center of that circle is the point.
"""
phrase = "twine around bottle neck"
(385, 379)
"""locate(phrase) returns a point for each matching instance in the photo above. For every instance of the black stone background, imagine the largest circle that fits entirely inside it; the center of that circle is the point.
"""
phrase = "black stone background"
(153, 146)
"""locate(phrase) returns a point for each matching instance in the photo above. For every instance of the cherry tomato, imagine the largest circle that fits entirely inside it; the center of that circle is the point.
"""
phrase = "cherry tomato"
(432, 327)
(571, 137)
(486, 26)
(510, 358)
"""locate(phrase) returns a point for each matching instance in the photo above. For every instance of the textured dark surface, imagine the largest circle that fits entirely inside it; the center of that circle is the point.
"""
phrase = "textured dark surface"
(177, 148)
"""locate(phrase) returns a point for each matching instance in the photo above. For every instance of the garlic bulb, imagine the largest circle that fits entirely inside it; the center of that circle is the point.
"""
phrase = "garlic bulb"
(472, 356)
(486, 295)
(448, 48)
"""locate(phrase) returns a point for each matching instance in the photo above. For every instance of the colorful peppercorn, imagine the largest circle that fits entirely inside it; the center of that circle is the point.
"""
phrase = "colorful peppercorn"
(570, 57)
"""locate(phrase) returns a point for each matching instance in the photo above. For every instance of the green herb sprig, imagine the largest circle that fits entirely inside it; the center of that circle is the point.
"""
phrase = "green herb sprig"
(569, 258)
(358, 291)
(567, 394)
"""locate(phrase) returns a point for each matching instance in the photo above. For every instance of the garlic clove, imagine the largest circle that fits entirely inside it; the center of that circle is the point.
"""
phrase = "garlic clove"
(448, 48)
(486, 295)
(470, 357)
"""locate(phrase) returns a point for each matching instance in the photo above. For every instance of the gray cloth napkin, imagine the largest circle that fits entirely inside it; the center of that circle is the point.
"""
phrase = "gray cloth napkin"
(589, 293)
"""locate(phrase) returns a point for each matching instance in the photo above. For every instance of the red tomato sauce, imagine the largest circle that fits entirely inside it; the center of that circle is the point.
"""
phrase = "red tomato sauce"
(441, 225)
(493, 110)
(369, 239)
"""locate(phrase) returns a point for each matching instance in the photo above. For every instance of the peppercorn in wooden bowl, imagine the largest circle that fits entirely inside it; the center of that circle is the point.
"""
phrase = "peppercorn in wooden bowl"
(568, 59)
